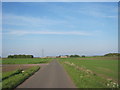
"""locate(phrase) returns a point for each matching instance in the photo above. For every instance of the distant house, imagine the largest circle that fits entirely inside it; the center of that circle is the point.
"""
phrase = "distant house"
(50, 56)
(62, 56)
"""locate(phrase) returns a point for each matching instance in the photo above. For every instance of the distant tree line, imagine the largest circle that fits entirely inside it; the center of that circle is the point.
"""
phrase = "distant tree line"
(20, 56)
(112, 54)
(67, 56)
(77, 55)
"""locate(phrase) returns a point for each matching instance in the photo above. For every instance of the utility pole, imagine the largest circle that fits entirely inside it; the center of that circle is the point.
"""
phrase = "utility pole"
(42, 52)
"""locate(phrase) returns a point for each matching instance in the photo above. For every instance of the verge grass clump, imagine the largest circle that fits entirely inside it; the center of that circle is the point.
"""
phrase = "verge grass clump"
(11, 73)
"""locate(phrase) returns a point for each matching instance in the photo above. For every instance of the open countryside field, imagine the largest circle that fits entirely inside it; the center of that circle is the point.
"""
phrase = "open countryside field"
(93, 72)
(10, 64)
(14, 78)
(14, 67)
(20, 69)
(25, 60)
(85, 72)
(11, 67)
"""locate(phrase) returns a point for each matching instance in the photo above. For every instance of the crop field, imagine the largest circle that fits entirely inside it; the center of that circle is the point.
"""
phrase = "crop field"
(12, 79)
(25, 60)
(11, 67)
(92, 72)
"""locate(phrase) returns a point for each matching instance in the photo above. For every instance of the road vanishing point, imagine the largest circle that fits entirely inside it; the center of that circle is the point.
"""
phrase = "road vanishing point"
(52, 75)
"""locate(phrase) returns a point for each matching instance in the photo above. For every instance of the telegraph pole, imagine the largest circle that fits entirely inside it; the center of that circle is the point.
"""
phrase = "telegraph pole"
(42, 52)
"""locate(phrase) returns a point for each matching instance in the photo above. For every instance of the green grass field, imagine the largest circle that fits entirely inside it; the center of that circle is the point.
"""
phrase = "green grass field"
(92, 72)
(11, 73)
(14, 78)
(25, 60)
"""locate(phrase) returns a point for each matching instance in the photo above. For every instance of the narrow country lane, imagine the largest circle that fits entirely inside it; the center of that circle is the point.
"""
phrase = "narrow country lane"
(50, 76)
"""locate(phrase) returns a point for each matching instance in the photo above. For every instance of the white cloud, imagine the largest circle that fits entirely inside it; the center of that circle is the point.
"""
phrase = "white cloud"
(40, 23)
(99, 10)
(111, 16)
(11, 19)
(98, 14)
(27, 32)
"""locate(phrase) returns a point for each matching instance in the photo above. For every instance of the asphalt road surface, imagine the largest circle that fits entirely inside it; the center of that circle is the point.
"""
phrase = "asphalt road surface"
(52, 75)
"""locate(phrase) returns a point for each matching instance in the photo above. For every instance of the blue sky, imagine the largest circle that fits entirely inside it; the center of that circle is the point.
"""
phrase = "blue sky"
(60, 28)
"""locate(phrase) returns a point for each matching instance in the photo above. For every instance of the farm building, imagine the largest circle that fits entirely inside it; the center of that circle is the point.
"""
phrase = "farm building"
(62, 56)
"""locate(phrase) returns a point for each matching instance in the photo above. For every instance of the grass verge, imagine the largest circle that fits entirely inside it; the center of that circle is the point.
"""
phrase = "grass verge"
(9, 74)
(90, 73)
(88, 80)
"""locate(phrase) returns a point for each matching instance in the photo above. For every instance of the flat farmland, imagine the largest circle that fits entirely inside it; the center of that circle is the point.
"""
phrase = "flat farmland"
(17, 70)
(13, 78)
(11, 67)
(92, 72)
(23, 63)
(25, 60)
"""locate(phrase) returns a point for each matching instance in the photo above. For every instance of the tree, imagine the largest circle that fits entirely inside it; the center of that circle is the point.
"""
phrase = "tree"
(20, 56)
(10, 56)
(74, 56)
(112, 54)
(83, 55)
